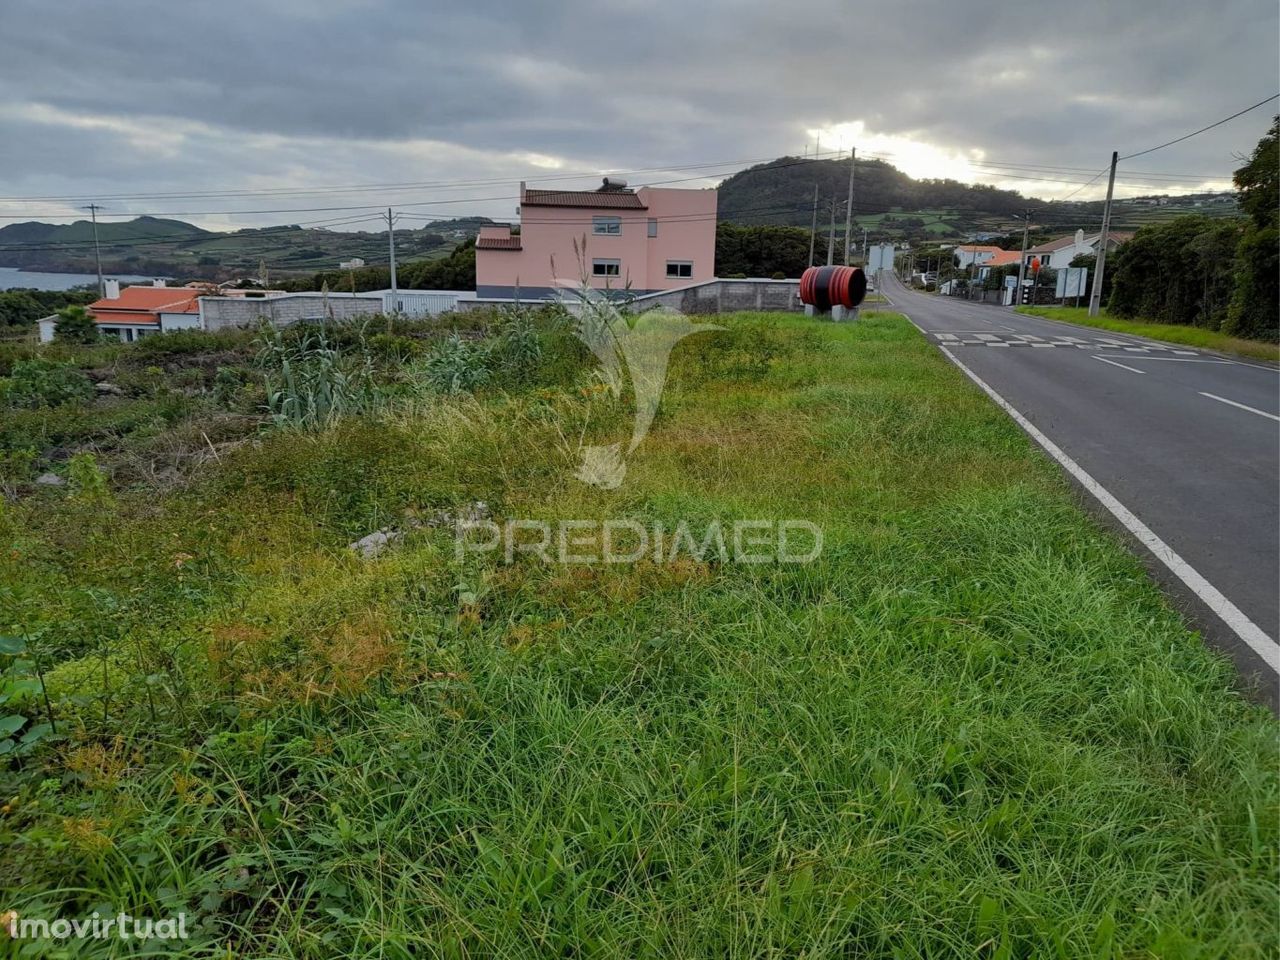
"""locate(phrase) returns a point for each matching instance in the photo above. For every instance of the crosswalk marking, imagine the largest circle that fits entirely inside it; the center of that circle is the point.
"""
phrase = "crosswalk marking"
(974, 339)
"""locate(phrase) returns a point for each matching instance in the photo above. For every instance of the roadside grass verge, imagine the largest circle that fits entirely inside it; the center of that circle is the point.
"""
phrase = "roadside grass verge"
(1168, 332)
(971, 727)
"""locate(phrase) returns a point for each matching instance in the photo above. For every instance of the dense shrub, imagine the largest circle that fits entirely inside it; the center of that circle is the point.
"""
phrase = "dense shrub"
(75, 325)
(45, 383)
(1177, 272)
(181, 343)
(458, 366)
(310, 384)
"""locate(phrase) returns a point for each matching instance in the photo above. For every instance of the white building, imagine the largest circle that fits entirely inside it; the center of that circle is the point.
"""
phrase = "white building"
(971, 253)
(1057, 254)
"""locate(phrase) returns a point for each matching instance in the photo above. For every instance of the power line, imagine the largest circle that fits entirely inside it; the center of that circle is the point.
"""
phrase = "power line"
(1092, 179)
(1196, 133)
(457, 184)
(540, 175)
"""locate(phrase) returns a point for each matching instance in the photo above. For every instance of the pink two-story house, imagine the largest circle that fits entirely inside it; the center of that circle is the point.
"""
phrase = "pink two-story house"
(642, 240)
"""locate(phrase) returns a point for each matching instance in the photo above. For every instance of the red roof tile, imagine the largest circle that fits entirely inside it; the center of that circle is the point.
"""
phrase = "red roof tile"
(604, 199)
(1003, 258)
(498, 243)
(145, 304)
(145, 298)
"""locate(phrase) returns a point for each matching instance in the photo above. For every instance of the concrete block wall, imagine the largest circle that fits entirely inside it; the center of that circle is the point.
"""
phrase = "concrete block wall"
(219, 313)
(713, 296)
(727, 296)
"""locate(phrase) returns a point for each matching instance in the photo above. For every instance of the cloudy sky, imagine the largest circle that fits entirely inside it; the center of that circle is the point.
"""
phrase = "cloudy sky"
(251, 112)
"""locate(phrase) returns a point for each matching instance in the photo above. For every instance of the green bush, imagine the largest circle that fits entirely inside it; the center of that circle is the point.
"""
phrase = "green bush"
(392, 348)
(187, 342)
(517, 351)
(45, 383)
(75, 325)
(458, 366)
(310, 385)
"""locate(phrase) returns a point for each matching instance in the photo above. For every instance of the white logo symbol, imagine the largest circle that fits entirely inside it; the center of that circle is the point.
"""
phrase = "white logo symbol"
(639, 349)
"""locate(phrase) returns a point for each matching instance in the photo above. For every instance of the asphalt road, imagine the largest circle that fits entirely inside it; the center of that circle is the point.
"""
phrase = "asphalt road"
(1187, 441)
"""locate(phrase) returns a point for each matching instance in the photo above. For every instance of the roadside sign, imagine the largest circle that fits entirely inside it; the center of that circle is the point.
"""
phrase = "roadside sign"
(880, 257)
(1071, 282)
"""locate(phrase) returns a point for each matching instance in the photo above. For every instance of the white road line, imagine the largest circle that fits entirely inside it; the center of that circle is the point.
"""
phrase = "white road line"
(1261, 413)
(1120, 365)
(1256, 366)
(1177, 359)
(1231, 615)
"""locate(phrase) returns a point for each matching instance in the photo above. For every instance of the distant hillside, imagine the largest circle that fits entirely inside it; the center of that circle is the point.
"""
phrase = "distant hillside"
(149, 245)
(894, 206)
(109, 233)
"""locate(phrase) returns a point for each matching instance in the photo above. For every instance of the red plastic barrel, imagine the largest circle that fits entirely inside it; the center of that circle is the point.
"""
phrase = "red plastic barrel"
(827, 287)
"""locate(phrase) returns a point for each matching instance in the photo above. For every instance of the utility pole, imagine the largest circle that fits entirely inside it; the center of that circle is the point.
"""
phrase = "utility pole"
(831, 235)
(1095, 294)
(391, 243)
(1022, 263)
(93, 209)
(864, 244)
(813, 230)
(848, 207)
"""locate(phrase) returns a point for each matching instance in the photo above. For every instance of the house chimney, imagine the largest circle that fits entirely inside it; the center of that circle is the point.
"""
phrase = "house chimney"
(112, 289)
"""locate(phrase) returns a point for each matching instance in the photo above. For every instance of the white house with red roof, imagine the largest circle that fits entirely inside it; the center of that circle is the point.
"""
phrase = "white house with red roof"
(1056, 254)
(974, 253)
(136, 312)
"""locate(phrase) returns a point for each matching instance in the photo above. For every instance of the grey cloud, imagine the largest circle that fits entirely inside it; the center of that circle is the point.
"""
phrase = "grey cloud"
(620, 84)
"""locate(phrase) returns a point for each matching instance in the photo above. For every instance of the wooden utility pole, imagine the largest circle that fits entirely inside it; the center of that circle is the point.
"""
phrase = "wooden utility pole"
(813, 230)
(848, 208)
(1095, 294)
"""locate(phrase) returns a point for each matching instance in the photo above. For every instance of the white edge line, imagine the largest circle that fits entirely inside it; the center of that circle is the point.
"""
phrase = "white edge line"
(1120, 365)
(1261, 413)
(1231, 615)
(1130, 356)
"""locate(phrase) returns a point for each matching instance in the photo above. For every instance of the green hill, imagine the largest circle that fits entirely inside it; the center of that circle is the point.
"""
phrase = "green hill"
(149, 245)
(893, 206)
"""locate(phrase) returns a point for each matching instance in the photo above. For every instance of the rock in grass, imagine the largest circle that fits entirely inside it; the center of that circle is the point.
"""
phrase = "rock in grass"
(375, 543)
(109, 388)
(473, 512)
(50, 480)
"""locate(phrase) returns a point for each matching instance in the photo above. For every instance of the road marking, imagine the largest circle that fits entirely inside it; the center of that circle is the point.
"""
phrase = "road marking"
(1261, 413)
(1177, 359)
(1235, 618)
(1120, 365)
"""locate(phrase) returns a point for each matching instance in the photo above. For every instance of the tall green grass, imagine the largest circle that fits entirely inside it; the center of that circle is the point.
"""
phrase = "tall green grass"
(972, 727)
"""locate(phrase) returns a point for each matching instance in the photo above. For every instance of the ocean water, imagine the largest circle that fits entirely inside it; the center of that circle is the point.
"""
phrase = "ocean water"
(12, 278)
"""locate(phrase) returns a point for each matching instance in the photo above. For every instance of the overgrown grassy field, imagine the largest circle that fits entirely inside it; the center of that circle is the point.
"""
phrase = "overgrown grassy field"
(1168, 332)
(971, 728)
